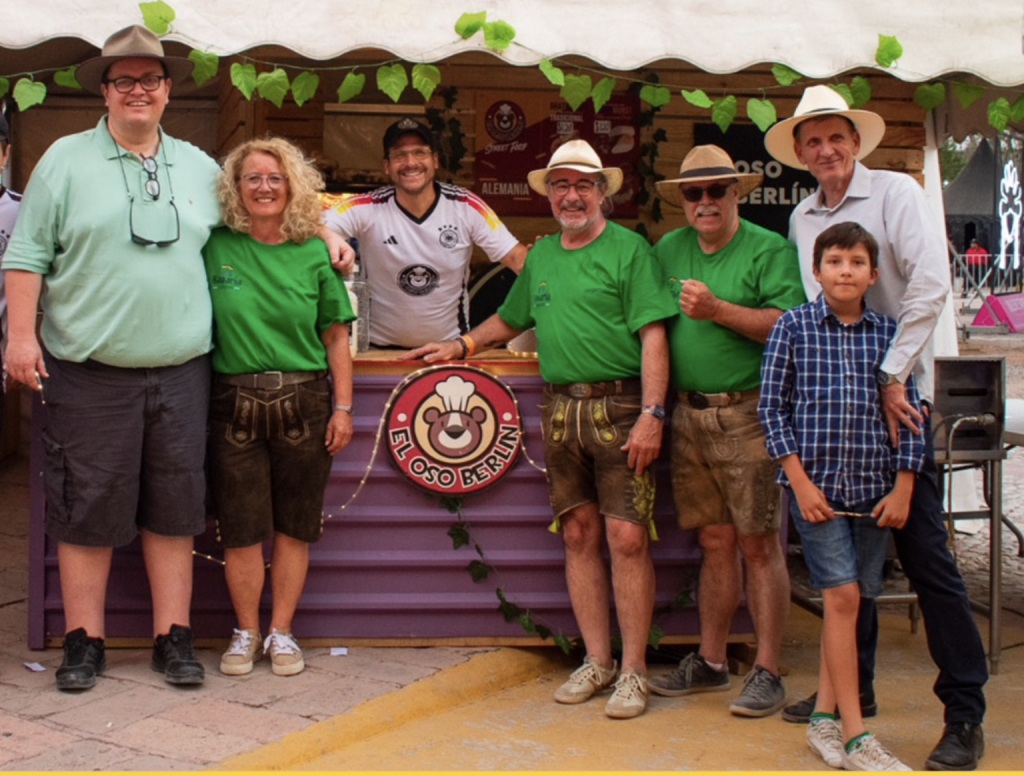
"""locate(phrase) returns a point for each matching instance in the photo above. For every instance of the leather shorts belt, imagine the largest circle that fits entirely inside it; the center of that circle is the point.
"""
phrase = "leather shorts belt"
(269, 381)
(630, 385)
(701, 401)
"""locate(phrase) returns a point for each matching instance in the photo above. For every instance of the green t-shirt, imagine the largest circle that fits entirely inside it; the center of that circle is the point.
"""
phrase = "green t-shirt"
(757, 269)
(588, 305)
(271, 303)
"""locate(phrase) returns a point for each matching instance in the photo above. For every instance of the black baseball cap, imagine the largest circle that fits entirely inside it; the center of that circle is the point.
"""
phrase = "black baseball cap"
(5, 131)
(407, 126)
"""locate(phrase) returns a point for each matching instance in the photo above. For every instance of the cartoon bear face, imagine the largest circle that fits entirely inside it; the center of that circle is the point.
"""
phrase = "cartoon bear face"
(455, 434)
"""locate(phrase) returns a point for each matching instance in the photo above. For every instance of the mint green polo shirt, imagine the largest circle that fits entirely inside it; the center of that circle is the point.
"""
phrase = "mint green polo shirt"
(105, 297)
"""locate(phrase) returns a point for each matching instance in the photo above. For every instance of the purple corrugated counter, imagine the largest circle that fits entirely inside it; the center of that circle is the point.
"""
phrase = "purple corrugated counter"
(385, 569)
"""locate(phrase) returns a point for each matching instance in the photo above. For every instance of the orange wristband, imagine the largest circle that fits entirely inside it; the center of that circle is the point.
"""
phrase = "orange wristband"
(470, 345)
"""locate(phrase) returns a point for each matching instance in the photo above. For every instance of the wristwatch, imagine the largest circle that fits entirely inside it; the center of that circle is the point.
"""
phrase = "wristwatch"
(884, 378)
(654, 409)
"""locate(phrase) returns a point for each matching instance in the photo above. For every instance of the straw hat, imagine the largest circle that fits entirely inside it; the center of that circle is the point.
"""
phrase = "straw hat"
(819, 101)
(134, 41)
(576, 155)
(706, 163)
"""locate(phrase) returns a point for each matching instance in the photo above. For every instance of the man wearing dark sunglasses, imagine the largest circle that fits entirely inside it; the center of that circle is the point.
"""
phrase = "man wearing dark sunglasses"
(109, 240)
(733, 280)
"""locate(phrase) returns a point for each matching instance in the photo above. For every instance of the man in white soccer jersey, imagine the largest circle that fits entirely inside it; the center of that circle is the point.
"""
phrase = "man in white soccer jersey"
(416, 239)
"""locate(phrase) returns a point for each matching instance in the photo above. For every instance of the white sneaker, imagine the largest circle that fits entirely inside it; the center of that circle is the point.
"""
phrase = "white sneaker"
(585, 681)
(869, 755)
(630, 697)
(825, 738)
(243, 651)
(285, 655)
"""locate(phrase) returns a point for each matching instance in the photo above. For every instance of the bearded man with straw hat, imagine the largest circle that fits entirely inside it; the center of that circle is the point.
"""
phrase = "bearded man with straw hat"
(593, 294)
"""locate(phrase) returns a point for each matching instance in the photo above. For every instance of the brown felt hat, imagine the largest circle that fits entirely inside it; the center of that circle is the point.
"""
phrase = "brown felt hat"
(131, 42)
(703, 164)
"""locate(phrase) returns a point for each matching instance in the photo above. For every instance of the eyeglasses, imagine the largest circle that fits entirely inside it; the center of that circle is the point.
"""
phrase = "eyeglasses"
(696, 193)
(415, 154)
(140, 240)
(583, 187)
(152, 182)
(273, 181)
(126, 84)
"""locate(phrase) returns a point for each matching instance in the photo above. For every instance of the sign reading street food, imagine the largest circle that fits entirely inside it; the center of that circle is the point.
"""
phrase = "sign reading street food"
(453, 430)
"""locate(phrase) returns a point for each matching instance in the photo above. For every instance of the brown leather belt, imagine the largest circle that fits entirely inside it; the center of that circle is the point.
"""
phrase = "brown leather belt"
(269, 381)
(701, 401)
(630, 385)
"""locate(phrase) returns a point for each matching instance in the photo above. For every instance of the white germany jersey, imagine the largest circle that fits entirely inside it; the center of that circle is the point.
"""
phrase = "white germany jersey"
(417, 268)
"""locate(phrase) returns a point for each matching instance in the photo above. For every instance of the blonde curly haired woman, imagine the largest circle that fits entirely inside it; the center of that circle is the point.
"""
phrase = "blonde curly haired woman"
(281, 403)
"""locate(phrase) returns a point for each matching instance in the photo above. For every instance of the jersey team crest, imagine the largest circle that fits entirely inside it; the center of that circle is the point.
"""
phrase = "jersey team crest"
(453, 430)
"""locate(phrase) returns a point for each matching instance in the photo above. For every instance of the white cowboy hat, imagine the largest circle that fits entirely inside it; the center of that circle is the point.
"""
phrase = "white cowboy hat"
(131, 42)
(819, 101)
(576, 155)
(706, 163)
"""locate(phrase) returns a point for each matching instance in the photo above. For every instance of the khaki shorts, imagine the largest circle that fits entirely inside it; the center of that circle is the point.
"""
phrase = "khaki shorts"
(721, 471)
(584, 464)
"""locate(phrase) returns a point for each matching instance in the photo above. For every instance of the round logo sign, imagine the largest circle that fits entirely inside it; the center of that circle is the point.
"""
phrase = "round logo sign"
(453, 430)
(504, 121)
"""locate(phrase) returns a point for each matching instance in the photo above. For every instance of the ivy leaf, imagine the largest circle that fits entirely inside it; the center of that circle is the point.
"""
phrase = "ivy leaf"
(498, 35)
(4, 86)
(425, 78)
(273, 86)
(157, 16)
(723, 112)
(243, 78)
(930, 96)
(304, 87)
(762, 113)
(351, 87)
(999, 113)
(28, 93)
(459, 535)
(785, 75)
(889, 50)
(655, 635)
(860, 89)
(67, 78)
(478, 570)
(844, 91)
(1016, 110)
(392, 80)
(526, 622)
(451, 503)
(554, 74)
(697, 98)
(576, 90)
(469, 23)
(967, 94)
(601, 93)
(204, 66)
(655, 96)
(508, 609)
(563, 644)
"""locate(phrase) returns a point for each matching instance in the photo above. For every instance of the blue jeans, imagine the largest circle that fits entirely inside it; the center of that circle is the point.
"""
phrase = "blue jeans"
(953, 638)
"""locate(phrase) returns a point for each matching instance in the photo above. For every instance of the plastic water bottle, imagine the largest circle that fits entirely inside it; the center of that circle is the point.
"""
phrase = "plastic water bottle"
(359, 296)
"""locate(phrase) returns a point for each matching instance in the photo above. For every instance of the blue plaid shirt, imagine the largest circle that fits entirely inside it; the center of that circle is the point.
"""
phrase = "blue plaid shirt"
(820, 399)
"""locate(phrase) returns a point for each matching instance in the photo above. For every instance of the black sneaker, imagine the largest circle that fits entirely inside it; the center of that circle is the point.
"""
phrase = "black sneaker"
(693, 674)
(800, 712)
(174, 657)
(961, 746)
(83, 659)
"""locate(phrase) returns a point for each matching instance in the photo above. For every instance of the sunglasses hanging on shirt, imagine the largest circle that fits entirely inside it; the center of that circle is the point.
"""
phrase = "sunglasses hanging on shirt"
(153, 210)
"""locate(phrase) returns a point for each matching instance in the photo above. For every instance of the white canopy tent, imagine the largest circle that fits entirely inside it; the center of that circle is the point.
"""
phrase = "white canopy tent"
(938, 36)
